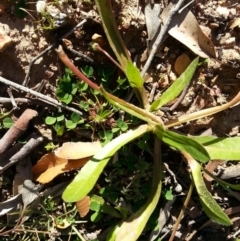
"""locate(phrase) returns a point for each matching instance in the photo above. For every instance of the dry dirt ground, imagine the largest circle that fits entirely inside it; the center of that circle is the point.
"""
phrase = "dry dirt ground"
(27, 37)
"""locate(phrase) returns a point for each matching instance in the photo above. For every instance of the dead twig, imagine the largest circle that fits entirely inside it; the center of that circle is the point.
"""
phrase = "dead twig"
(4, 100)
(14, 104)
(17, 129)
(44, 98)
(179, 100)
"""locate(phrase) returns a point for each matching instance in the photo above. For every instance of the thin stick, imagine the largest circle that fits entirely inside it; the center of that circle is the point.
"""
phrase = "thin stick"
(25, 82)
(14, 104)
(38, 95)
(4, 100)
(182, 211)
(32, 143)
(78, 234)
(179, 100)
(161, 36)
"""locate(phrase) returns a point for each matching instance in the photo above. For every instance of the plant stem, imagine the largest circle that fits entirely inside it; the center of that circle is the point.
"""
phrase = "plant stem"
(64, 58)
(99, 48)
(182, 211)
(78, 234)
(202, 113)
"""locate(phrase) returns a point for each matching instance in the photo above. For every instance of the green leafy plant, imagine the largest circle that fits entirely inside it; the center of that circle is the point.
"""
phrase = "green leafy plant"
(67, 87)
(60, 123)
(7, 122)
(195, 150)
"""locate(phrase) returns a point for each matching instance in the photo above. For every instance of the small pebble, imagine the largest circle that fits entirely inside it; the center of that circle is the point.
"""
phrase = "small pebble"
(34, 36)
(178, 188)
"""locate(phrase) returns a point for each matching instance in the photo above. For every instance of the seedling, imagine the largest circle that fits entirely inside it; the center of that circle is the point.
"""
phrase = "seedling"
(60, 123)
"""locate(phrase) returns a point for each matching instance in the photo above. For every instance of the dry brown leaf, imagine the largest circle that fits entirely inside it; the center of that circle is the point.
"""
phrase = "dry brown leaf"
(185, 28)
(181, 63)
(77, 150)
(83, 206)
(51, 165)
(234, 23)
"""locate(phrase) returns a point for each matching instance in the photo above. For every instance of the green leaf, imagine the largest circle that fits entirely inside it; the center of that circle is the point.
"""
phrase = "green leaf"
(82, 86)
(87, 70)
(134, 76)
(84, 105)
(85, 180)
(111, 30)
(183, 143)
(70, 124)
(168, 194)
(136, 81)
(60, 118)
(210, 206)
(59, 128)
(7, 122)
(95, 217)
(75, 117)
(105, 208)
(95, 206)
(177, 87)
(50, 120)
(222, 148)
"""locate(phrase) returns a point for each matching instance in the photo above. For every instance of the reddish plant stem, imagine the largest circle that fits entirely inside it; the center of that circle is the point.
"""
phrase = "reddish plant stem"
(99, 48)
(75, 70)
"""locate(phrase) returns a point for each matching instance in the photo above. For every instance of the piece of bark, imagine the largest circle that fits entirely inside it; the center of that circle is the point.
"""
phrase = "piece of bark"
(17, 129)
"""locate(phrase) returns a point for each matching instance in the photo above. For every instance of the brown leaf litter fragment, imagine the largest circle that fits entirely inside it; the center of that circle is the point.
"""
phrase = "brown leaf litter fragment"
(77, 150)
(83, 206)
(181, 63)
(17, 129)
(70, 156)
(185, 28)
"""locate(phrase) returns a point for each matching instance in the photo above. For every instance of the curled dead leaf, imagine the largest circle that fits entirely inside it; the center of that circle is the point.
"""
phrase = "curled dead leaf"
(83, 206)
(77, 150)
(185, 28)
(51, 165)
